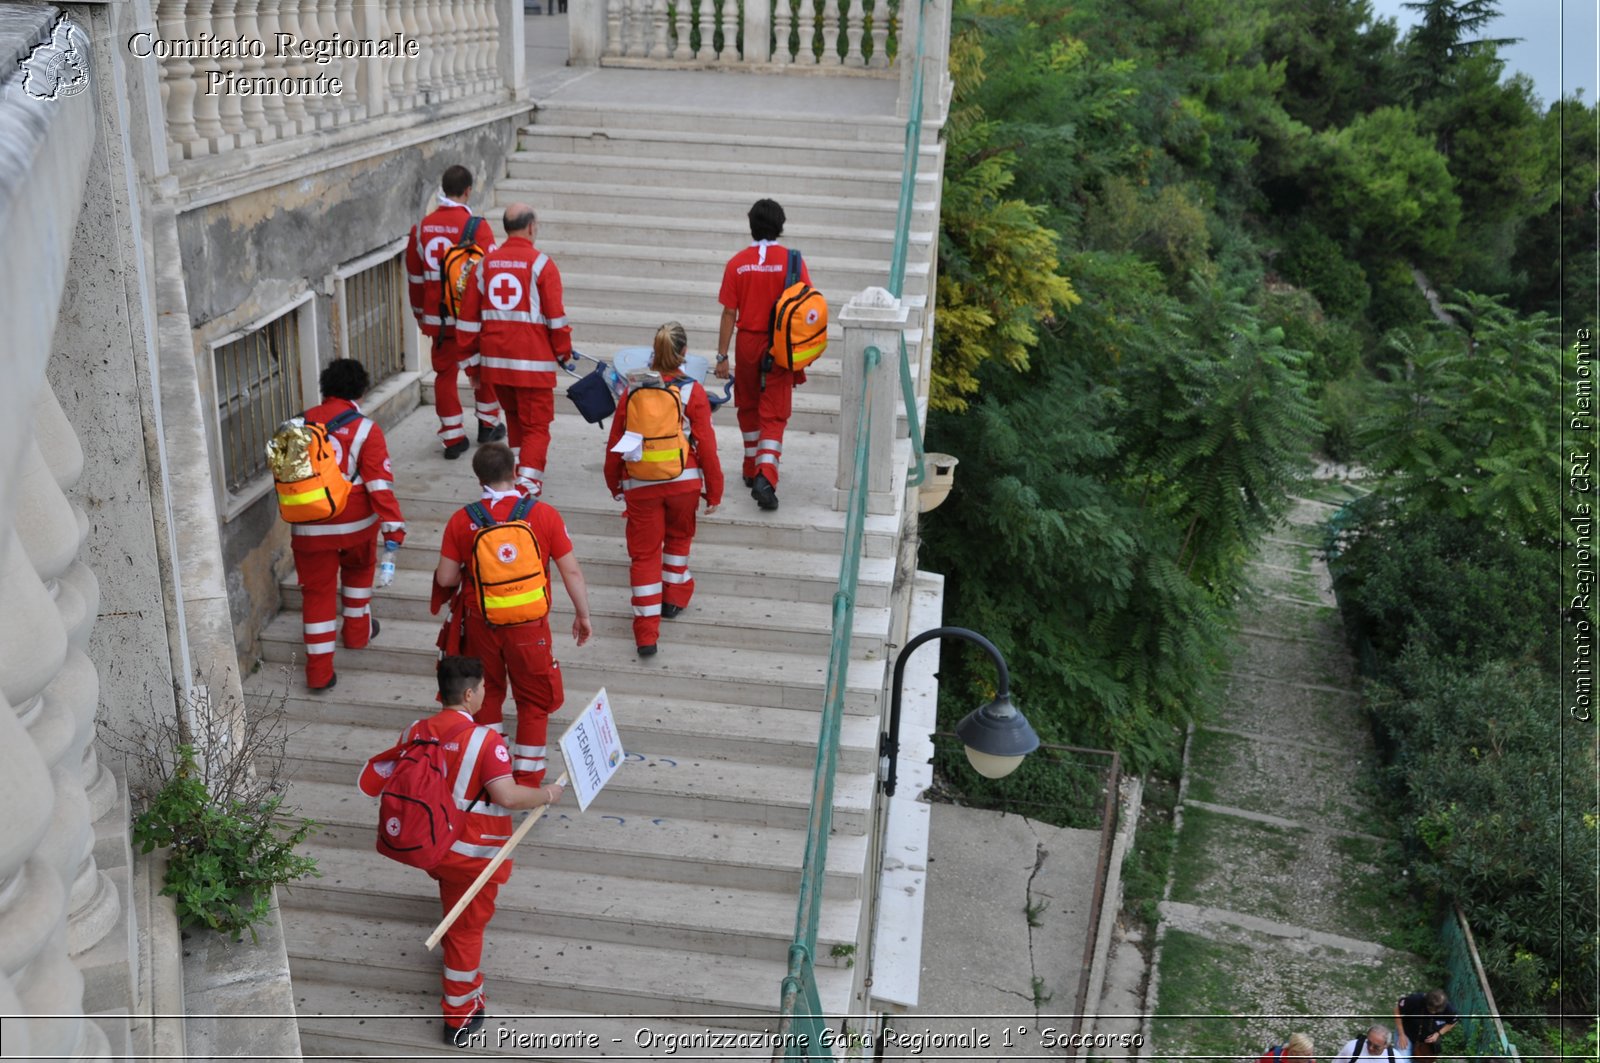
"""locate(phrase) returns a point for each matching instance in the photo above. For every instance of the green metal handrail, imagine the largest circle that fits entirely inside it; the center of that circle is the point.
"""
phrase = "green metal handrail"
(902, 243)
(801, 1023)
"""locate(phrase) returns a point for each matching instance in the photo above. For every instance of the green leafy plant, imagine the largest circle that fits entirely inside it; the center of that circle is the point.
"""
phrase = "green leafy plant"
(1034, 910)
(211, 779)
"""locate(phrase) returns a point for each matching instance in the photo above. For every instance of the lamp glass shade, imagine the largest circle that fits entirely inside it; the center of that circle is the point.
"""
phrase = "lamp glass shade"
(997, 737)
(990, 766)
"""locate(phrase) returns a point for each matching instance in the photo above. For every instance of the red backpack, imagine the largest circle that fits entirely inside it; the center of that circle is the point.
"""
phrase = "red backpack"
(417, 815)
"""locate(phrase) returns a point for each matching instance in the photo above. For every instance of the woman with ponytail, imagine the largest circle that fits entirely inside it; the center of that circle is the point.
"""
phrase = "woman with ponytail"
(661, 460)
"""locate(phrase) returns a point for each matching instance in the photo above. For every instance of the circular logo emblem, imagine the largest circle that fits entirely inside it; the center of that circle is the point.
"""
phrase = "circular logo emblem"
(393, 826)
(500, 751)
(507, 553)
(505, 292)
(811, 317)
(436, 247)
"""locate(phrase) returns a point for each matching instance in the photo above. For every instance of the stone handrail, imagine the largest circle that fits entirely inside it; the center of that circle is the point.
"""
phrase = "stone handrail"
(845, 35)
(236, 73)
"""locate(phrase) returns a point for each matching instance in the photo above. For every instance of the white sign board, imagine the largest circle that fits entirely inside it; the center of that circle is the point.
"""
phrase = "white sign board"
(592, 749)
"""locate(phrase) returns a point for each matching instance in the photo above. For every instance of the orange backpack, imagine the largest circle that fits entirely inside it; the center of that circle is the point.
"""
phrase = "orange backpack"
(305, 469)
(513, 587)
(799, 321)
(655, 410)
(455, 271)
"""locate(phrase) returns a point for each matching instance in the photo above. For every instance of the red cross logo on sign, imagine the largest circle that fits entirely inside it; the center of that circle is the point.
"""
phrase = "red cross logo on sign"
(505, 292)
(393, 826)
(507, 553)
(436, 247)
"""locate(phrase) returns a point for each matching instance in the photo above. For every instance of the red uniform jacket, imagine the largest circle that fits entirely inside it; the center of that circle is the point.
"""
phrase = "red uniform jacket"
(475, 758)
(364, 458)
(514, 318)
(430, 239)
(702, 468)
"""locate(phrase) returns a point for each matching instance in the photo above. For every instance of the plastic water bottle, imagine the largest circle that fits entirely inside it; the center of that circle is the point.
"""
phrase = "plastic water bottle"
(386, 568)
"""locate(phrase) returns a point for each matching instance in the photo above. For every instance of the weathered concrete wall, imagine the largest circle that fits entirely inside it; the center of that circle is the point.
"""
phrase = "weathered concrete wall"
(246, 257)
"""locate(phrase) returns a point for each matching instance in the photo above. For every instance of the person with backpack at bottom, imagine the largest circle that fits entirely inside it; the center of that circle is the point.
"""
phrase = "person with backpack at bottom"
(514, 321)
(431, 240)
(752, 281)
(497, 554)
(1297, 1048)
(1422, 1020)
(1371, 1046)
(478, 779)
(662, 488)
(343, 549)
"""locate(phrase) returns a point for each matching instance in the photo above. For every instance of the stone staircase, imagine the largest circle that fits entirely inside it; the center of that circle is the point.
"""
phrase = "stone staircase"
(672, 900)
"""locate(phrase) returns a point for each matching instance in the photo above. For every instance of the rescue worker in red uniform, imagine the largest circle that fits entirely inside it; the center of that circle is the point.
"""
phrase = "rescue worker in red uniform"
(513, 319)
(518, 656)
(344, 549)
(430, 239)
(661, 513)
(481, 783)
(751, 284)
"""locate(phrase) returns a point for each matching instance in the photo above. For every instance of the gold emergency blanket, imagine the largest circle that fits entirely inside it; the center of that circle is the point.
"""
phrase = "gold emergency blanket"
(289, 452)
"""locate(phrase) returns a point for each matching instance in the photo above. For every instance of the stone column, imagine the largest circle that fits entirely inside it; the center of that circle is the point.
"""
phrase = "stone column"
(874, 318)
(512, 44)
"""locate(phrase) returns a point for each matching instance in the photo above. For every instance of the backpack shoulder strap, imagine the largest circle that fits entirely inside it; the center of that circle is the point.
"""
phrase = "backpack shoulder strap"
(480, 515)
(340, 421)
(792, 275)
(523, 507)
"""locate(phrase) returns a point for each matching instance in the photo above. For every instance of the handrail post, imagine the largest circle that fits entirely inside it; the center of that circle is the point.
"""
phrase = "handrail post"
(874, 318)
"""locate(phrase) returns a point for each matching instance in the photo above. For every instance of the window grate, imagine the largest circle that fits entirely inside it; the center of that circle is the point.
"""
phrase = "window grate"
(376, 309)
(258, 388)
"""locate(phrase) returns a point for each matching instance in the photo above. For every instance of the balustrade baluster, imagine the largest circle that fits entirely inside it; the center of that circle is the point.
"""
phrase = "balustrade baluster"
(432, 71)
(356, 105)
(855, 18)
(880, 35)
(806, 53)
(782, 30)
(729, 53)
(300, 118)
(830, 33)
(684, 29)
(406, 88)
(614, 9)
(273, 109)
(487, 48)
(258, 128)
(639, 28)
(207, 116)
(708, 32)
(230, 110)
(659, 23)
(177, 82)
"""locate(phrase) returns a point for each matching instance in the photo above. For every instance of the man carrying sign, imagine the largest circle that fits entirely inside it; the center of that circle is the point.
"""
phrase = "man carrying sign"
(481, 782)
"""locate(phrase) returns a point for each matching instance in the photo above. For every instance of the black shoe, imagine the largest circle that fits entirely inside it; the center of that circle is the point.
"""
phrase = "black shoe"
(647, 651)
(376, 627)
(460, 1036)
(331, 684)
(670, 611)
(764, 493)
(491, 435)
(749, 481)
(456, 449)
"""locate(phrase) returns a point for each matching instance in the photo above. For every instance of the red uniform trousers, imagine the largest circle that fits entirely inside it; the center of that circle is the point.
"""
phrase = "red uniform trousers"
(522, 657)
(529, 412)
(447, 400)
(320, 570)
(463, 942)
(763, 413)
(660, 529)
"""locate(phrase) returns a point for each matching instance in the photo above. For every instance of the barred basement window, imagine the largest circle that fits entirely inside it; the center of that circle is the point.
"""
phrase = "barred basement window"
(258, 388)
(375, 311)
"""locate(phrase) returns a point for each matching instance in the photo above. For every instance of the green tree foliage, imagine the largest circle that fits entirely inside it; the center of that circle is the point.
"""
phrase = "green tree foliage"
(1557, 250)
(1387, 189)
(1445, 36)
(1468, 426)
(1338, 61)
(998, 265)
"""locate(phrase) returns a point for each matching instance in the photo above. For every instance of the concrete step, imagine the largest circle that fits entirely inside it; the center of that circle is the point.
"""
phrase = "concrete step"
(669, 782)
(665, 848)
(771, 177)
(338, 1022)
(648, 145)
(877, 243)
(739, 676)
(666, 296)
(710, 620)
(841, 278)
(698, 121)
(715, 204)
(561, 972)
(617, 907)
(714, 730)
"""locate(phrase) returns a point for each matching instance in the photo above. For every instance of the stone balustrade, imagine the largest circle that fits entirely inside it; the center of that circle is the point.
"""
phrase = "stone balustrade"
(238, 73)
(843, 34)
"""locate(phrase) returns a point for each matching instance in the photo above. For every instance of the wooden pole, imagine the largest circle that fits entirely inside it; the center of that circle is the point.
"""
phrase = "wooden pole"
(483, 876)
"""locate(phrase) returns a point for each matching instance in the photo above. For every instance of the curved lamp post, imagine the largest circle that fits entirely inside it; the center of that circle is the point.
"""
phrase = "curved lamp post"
(997, 736)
